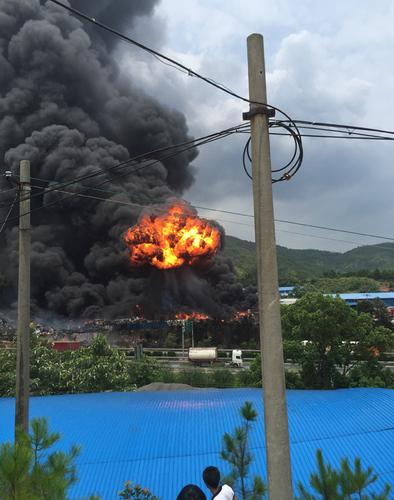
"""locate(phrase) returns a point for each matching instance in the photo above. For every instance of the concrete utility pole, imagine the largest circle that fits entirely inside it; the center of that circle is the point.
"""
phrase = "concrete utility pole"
(23, 327)
(183, 338)
(275, 410)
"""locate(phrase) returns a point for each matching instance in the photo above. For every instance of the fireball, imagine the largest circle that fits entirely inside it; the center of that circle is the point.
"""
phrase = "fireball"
(172, 239)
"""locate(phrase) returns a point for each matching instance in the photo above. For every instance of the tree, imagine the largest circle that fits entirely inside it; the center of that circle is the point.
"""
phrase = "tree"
(325, 481)
(342, 484)
(29, 472)
(335, 336)
(171, 340)
(378, 310)
(237, 453)
(95, 368)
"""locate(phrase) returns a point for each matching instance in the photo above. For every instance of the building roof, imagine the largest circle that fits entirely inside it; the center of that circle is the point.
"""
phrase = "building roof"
(365, 296)
(164, 440)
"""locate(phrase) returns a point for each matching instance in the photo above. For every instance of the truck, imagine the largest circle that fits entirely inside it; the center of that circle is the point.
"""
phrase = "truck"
(204, 355)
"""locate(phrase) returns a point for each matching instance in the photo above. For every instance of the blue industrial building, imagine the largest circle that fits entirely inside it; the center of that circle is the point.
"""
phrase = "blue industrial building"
(285, 291)
(353, 298)
(163, 440)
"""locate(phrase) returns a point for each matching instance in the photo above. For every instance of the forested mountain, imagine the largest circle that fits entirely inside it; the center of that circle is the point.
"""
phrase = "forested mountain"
(296, 266)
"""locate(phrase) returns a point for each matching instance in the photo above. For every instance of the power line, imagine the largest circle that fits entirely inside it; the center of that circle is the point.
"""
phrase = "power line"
(2, 191)
(9, 212)
(180, 148)
(199, 207)
(293, 166)
(326, 228)
(128, 203)
(350, 128)
(205, 140)
(243, 128)
(162, 57)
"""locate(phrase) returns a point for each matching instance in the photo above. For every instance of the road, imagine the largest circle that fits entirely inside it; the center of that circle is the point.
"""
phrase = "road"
(179, 364)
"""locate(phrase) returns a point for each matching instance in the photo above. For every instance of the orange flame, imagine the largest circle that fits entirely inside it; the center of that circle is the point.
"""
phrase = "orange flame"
(172, 239)
(193, 315)
(242, 314)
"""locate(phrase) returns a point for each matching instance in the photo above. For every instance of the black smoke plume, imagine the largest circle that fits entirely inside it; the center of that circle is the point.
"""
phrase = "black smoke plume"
(66, 106)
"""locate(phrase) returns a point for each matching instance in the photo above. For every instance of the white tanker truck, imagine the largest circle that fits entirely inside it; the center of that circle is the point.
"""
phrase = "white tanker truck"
(208, 355)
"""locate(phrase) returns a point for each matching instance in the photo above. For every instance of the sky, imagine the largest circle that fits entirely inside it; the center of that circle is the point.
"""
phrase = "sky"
(325, 61)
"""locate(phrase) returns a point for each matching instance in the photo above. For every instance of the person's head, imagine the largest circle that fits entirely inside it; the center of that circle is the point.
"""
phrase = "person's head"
(211, 476)
(191, 492)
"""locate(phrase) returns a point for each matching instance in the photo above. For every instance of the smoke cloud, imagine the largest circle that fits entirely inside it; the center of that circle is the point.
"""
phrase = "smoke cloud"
(65, 106)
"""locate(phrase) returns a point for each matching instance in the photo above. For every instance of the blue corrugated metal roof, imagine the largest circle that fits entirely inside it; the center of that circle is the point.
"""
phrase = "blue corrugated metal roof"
(164, 440)
(366, 296)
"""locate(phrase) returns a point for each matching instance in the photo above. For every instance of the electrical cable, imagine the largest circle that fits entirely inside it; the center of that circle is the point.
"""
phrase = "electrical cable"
(350, 128)
(239, 129)
(191, 145)
(2, 191)
(326, 228)
(9, 213)
(186, 145)
(128, 203)
(172, 62)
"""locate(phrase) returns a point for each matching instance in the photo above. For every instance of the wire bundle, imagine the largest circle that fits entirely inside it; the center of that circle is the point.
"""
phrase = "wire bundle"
(292, 166)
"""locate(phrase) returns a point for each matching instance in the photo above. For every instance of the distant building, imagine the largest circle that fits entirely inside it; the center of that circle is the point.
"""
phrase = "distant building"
(354, 298)
(288, 302)
(285, 291)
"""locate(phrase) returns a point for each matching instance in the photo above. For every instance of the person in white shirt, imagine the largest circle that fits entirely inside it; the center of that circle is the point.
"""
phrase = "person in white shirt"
(211, 477)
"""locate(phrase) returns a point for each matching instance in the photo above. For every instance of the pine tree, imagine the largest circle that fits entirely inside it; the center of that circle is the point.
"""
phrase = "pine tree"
(28, 472)
(347, 483)
(237, 453)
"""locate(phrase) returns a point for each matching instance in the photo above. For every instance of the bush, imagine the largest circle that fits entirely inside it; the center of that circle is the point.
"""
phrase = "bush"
(168, 376)
(371, 374)
(245, 379)
(7, 372)
(293, 380)
(223, 378)
(144, 372)
(136, 492)
(194, 377)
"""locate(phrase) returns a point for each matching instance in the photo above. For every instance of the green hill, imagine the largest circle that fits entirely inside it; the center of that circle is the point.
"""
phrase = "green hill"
(299, 265)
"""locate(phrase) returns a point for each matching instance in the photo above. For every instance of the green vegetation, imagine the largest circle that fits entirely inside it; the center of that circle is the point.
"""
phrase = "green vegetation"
(374, 262)
(29, 472)
(342, 284)
(336, 341)
(136, 492)
(342, 484)
(328, 483)
(332, 344)
(236, 452)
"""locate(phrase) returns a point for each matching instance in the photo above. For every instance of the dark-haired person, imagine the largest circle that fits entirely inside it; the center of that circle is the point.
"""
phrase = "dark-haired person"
(211, 477)
(191, 492)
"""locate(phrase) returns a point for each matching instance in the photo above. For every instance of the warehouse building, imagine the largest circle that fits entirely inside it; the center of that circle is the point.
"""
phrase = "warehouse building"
(164, 440)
